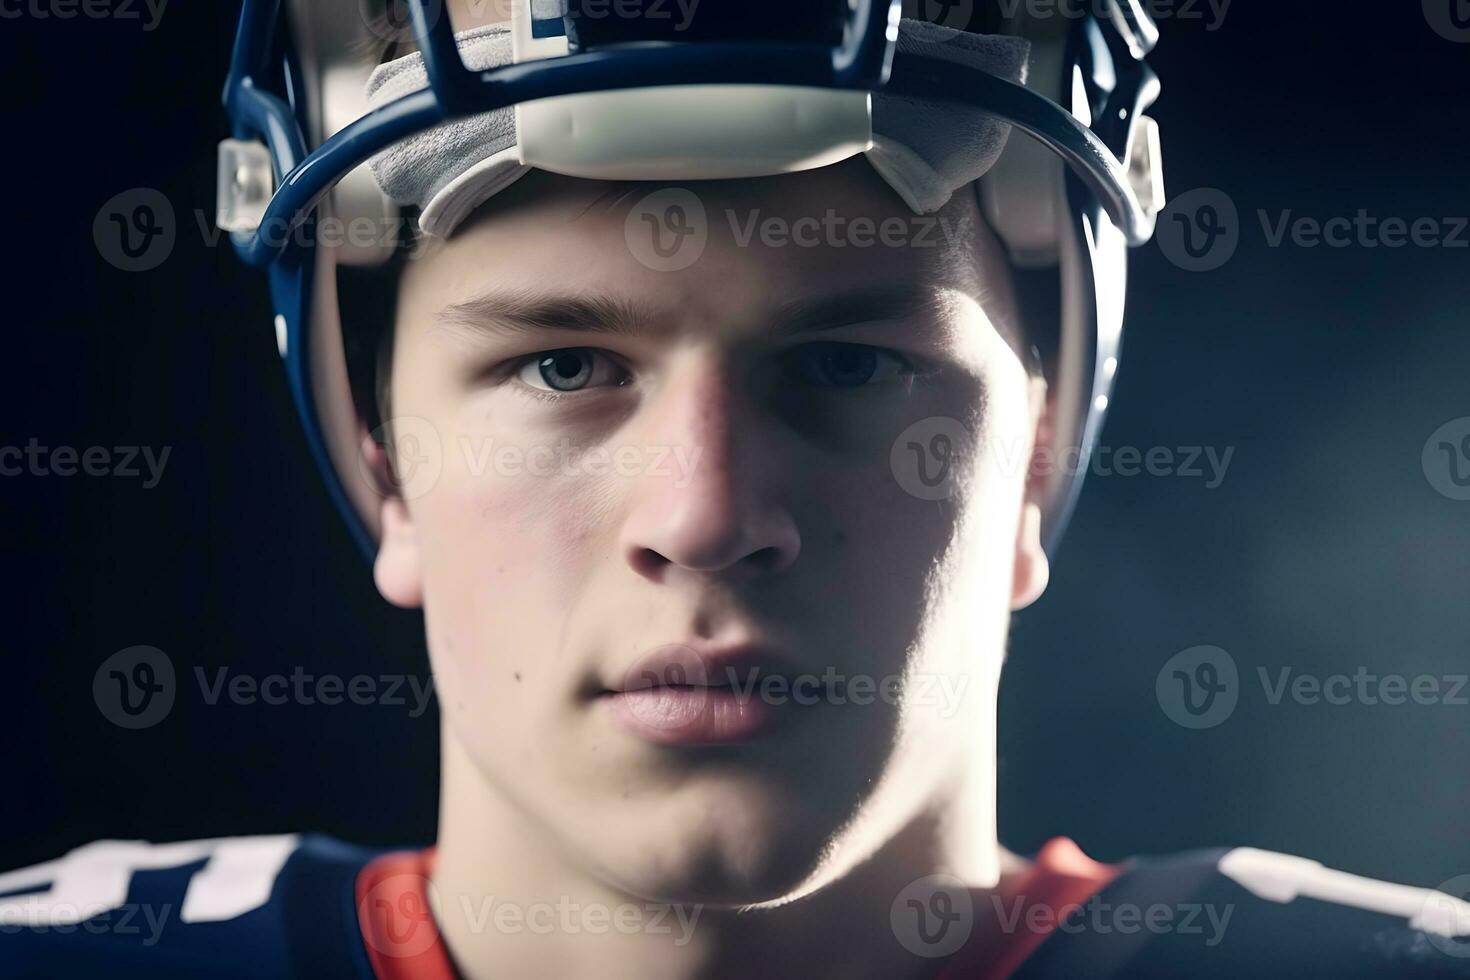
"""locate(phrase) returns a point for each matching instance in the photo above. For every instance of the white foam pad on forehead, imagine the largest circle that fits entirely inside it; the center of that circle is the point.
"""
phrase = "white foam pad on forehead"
(925, 150)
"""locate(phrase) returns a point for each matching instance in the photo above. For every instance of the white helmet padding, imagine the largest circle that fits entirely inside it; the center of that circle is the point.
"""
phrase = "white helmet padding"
(924, 150)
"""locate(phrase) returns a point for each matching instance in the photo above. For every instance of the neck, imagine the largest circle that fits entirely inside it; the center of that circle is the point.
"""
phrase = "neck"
(510, 903)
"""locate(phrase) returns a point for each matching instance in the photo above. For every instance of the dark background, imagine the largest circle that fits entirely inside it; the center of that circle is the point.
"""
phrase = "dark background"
(1326, 548)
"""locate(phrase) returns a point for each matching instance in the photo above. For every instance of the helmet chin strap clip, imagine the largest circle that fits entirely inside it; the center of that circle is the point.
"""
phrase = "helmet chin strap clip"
(244, 186)
(1145, 163)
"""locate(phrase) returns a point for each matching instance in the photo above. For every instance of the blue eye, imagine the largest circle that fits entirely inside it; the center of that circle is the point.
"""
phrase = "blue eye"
(567, 370)
(846, 365)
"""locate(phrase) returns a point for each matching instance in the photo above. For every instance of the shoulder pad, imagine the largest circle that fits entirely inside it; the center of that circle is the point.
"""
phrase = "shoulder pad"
(1253, 913)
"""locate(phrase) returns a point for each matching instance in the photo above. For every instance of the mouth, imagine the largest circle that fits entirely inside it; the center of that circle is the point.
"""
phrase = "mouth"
(694, 694)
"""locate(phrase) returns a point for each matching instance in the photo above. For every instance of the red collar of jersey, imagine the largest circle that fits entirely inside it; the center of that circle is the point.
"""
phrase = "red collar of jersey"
(403, 943)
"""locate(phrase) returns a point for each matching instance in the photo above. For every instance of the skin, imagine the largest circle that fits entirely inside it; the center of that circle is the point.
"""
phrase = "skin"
(792, 529)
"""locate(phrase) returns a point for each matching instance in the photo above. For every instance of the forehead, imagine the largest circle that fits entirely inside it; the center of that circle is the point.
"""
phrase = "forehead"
(715, 242)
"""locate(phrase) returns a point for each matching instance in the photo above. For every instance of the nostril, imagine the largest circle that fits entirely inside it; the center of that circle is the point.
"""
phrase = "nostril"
(767, 559)
(718, 526)
(647, 562)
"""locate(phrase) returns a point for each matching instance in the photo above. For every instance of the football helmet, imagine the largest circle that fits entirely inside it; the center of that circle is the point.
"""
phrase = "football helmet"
(1078, 182)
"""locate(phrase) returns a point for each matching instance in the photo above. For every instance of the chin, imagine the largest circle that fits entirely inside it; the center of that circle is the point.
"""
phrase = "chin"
(725, 846)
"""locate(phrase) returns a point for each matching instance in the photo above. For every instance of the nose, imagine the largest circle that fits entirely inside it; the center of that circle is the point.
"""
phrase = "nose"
(718, 505)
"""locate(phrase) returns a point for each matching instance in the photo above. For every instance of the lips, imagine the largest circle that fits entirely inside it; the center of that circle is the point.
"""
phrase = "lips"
(696, 694)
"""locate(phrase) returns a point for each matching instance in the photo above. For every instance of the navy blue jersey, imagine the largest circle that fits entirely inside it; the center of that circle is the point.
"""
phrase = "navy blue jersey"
(313, 907)
(279, 906)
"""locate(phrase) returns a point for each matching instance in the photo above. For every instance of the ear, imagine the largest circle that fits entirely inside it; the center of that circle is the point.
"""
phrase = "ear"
(1030, 569)
(397, 570)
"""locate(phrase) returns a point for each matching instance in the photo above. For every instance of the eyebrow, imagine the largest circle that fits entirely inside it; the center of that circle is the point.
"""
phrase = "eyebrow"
(510, 314)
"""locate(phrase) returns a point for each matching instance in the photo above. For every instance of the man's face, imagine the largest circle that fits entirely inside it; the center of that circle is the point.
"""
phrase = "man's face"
(764, 447)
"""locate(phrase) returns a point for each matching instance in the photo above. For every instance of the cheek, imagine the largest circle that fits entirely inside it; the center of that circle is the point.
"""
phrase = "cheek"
(505, 554)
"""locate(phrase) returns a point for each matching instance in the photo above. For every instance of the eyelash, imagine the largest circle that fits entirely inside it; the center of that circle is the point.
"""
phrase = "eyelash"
(543, 395)
(547, 395)
(907, 371)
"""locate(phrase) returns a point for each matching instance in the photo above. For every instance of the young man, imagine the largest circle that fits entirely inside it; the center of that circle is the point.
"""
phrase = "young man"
(716, 496)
